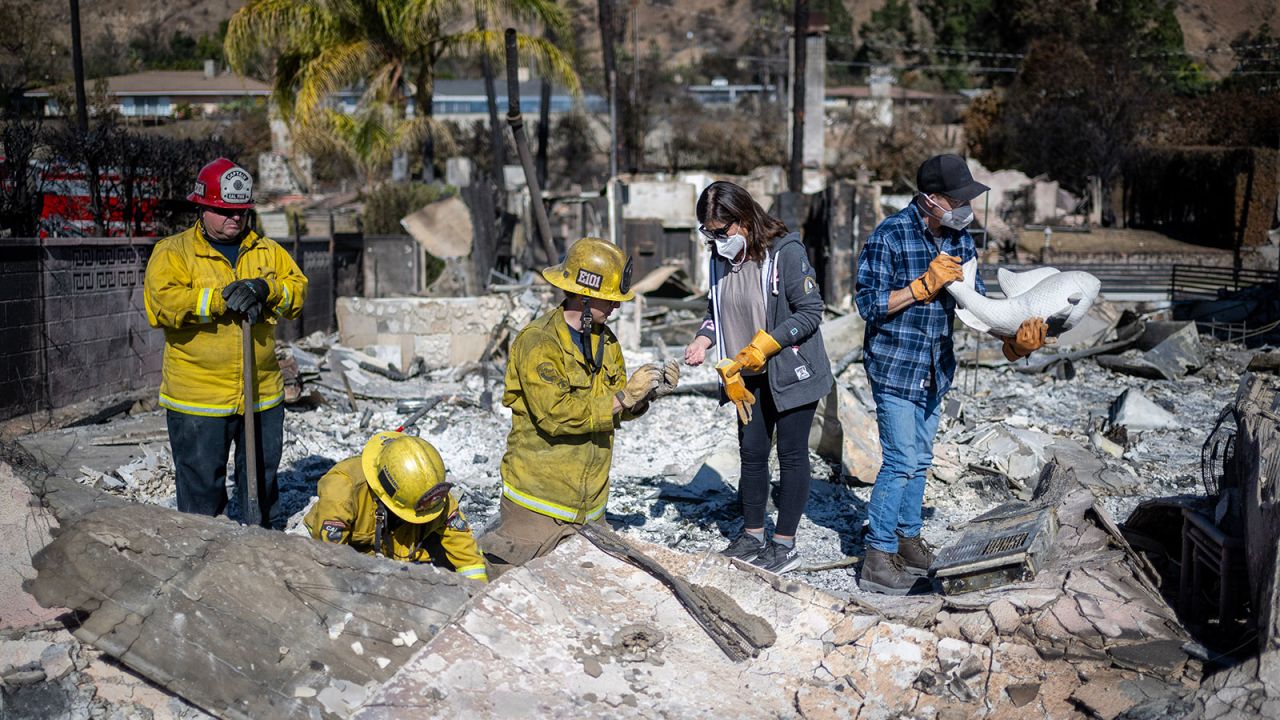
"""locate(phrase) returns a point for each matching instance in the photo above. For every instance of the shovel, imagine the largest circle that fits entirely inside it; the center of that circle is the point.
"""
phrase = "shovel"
(251, 512)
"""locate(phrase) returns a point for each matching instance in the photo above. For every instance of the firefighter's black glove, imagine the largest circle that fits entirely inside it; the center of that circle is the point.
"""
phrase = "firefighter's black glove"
(247, 297)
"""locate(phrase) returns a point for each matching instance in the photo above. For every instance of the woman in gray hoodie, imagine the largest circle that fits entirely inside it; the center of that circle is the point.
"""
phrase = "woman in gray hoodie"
(763, 312)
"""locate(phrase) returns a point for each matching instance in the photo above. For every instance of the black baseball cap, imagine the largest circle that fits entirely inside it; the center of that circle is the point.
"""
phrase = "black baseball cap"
(948, 175)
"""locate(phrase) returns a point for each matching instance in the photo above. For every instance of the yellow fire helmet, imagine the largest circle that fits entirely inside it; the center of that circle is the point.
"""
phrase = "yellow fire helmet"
(407, 474)
(594, 268)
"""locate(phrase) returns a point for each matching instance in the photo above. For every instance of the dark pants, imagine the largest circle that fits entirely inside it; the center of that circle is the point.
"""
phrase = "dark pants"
(200, 447)
(522, 535)
(755, 439)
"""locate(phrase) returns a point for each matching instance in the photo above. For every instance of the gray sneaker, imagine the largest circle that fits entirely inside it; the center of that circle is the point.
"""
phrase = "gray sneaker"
(744, 548)
(777, 558)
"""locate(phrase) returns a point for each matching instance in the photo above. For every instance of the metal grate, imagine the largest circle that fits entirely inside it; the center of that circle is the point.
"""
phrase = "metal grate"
(1217, 453)
(1005, 544)
(1009, 540)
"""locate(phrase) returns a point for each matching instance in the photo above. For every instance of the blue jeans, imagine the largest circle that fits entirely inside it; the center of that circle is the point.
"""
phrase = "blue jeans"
(906, 442)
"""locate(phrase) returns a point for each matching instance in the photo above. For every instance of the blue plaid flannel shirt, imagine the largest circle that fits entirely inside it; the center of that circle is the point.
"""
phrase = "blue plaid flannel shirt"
(911, 351)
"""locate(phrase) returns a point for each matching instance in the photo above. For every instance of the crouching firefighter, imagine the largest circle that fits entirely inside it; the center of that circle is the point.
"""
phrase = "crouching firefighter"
(568, 391)
(392, 500)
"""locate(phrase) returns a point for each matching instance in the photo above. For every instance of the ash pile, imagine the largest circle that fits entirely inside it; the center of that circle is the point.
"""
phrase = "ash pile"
(1096, 628)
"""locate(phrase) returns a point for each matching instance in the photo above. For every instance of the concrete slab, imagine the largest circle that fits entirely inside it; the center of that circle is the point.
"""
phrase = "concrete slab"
(64, 452)
(26, 528)
(242, 621)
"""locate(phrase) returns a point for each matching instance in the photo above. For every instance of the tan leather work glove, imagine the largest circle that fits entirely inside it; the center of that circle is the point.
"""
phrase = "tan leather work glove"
(1030, 338)
(642, 382)
(758, 351)
(670, 379)
(731, 373)
(942, 270)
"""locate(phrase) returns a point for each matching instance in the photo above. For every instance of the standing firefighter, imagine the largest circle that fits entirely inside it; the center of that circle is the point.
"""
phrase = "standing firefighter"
(568, 391)
(199, 284)
(393, 500)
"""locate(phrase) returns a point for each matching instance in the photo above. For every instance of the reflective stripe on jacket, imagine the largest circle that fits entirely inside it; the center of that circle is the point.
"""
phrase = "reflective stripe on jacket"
(560, 446)
(202, 350)
(346, 514)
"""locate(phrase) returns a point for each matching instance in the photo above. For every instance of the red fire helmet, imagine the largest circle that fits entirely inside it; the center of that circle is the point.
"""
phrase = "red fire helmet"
(223, 184)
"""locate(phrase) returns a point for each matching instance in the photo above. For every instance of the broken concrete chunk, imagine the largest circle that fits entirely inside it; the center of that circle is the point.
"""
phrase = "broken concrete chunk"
(109, 483)
(21, 654)
(845, 429)
(976, 626)
(17, 678)
(1136, 411)
(1018, 453)
(342, 697)
(715, 477)
(1169, 351)
(1160, 657)
(843, 335)
(850, 629)
(56, 661)
(1004, 616)
(1106, 445)
(1090, 470)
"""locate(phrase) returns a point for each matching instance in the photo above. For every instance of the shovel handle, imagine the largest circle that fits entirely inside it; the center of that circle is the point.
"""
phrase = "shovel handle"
(251, 512)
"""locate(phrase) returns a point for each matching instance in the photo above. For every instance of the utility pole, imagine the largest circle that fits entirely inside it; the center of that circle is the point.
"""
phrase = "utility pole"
(607, 30)
(544, 119)
(637, 138)
(77, 66)
(499, 149)
(795, 177)
(522, 147)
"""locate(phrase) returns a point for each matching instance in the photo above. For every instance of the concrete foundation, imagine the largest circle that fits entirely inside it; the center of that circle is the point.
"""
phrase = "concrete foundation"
(445, 332)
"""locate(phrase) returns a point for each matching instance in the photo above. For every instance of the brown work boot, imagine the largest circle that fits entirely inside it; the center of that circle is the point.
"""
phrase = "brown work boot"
(884, 572)
(916, 554)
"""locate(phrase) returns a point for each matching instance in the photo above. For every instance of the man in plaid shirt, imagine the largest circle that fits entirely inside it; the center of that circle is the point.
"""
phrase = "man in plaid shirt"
(909, 356)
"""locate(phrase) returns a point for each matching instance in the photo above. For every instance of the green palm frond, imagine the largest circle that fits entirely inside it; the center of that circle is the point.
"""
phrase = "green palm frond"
(547, 13)
(281, 24)
(369, 138)
(550, 60)
(333, 69)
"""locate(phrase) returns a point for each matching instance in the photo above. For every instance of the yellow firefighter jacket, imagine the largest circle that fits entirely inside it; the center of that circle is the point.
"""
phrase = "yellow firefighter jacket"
(562, 422)
(346, 514)
(203, 356)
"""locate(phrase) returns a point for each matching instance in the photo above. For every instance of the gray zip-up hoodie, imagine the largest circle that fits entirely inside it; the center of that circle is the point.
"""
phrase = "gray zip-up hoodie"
(801, 373)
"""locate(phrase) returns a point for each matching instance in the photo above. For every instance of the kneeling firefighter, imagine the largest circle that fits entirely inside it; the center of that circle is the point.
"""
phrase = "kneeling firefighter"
(568, 391)
(393, 500)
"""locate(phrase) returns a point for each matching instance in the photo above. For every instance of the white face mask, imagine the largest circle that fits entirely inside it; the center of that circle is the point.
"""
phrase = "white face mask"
(957, 218)
(729, 248)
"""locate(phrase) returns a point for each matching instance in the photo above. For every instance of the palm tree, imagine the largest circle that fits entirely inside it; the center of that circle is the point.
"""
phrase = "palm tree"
(388, 47)
(368, 138)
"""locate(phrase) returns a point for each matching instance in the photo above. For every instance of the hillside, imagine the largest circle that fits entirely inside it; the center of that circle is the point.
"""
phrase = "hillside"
(682, 30)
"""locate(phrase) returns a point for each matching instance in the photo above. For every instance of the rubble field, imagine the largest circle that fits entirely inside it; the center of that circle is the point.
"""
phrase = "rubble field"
(675, 469)
(673, 491)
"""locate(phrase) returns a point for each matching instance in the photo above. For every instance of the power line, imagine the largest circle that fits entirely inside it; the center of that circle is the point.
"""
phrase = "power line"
(1210, 51)
(854, 63)
(928, 50)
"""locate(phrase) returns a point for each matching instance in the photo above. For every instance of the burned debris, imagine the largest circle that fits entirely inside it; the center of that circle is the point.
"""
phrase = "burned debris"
(1047, 605)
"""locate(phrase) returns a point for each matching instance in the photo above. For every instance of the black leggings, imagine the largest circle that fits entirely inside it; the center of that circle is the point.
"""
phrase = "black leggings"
(754, 442)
